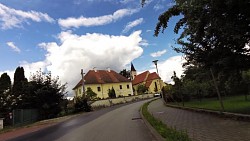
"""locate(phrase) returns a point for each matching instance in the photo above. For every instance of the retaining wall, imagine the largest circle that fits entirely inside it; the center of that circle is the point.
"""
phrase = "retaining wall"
(110, 102)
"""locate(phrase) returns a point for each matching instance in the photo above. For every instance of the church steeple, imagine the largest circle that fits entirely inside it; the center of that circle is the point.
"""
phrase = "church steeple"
(132, 67)
(133, 72)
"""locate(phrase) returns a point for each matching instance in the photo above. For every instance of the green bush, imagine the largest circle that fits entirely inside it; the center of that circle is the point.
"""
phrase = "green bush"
(81, 105)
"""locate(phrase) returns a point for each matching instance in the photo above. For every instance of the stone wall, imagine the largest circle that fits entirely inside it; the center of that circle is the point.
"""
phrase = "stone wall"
(110, 102)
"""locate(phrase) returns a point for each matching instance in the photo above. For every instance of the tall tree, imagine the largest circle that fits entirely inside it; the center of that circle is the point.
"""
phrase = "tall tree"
(5, 82)
(19, 86)
(214, 32)
(5, 93)
(45, 94)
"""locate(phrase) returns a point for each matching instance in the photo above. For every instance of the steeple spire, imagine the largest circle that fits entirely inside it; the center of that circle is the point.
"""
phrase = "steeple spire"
(132, 67)
(133, 72)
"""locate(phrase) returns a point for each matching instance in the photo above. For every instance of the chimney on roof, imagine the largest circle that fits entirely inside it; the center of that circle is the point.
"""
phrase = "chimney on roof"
(108, 69)
(95, 69)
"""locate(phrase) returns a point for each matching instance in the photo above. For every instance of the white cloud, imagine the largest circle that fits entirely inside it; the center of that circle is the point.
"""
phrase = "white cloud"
(10, 18)
(13, 47)
(126, 1)
(158, 6)
(132, 24)
(167, 67)
(144, 43)
(31, 68)
(42, 45)
(95, 21)
(158, 53)
(76, 52)
(161, 3)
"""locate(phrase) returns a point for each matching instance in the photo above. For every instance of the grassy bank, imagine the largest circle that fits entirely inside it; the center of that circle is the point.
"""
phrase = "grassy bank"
(166, 132)
(234, 104)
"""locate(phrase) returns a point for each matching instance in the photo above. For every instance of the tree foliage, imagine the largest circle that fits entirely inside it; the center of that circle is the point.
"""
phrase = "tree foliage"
(5, 82)
(125, 73)
(214, 32)
(111, 93)
(196, 83)
(81, 105)
(141, 89)
(6, 98)
(45, 94)
(42, 92)
(91, 94)
(18, 89)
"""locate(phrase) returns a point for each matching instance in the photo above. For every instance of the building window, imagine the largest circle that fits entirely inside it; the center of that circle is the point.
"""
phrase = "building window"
(127, 86)
(156, 87)
(120, 86)
(79, 91)
(98, 89)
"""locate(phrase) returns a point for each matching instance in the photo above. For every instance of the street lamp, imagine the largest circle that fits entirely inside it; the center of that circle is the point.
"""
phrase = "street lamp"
(83, 87)
(155, 62)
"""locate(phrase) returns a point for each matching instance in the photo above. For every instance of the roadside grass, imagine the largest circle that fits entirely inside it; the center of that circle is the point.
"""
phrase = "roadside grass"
(234, 104)
(169, 134)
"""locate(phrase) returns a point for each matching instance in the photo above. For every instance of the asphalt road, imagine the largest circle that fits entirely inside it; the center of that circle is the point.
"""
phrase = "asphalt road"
(117, 123)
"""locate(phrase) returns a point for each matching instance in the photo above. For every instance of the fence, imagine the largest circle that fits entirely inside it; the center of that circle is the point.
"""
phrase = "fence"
(24, 116)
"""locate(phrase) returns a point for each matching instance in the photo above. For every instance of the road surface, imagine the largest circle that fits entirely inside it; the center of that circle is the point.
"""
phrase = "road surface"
(117, 123)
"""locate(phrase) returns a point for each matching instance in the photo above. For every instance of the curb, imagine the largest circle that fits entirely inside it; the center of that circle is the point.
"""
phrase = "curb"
(235, 116)
(157, 136)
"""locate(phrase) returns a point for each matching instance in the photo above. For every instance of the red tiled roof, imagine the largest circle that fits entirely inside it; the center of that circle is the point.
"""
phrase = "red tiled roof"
(145, 77)
(140, 78)
(102, 77)
(153, 76)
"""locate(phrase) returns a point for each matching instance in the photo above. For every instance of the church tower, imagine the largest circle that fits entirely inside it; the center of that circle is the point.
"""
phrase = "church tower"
(133, 72)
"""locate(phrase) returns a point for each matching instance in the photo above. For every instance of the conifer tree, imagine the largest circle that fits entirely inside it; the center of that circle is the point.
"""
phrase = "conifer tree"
(19, 86)
(5, 93)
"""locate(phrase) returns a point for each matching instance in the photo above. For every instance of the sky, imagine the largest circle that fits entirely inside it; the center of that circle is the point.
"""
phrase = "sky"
(65, 36)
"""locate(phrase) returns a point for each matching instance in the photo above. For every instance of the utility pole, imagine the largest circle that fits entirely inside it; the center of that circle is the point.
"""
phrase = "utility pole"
(155, 62)
(83, 87)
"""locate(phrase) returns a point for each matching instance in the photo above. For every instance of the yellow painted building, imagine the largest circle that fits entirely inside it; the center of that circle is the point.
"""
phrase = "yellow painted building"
(100, 81)
(152, 81)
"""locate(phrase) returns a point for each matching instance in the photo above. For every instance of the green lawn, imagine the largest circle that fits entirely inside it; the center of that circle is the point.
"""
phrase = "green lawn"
(235, 104)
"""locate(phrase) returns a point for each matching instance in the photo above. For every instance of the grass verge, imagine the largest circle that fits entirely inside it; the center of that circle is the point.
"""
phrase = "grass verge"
(233, 104)
(168, 133)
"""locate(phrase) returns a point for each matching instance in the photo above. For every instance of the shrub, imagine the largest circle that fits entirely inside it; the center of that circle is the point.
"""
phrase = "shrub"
(81, 105)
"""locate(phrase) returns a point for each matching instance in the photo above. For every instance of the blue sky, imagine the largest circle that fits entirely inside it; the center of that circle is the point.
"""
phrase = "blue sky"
(63, 36)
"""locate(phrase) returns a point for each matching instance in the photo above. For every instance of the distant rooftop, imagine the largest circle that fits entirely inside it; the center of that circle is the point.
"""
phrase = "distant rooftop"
(145, 77)
(102, 77)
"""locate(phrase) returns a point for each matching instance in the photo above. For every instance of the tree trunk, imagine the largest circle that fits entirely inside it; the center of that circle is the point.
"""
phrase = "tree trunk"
(217, 90)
